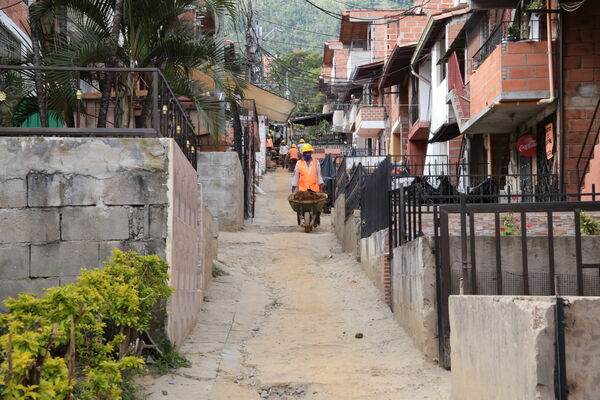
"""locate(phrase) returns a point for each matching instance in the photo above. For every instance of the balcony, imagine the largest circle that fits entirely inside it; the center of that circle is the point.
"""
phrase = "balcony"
(507, 86)
(370, 121)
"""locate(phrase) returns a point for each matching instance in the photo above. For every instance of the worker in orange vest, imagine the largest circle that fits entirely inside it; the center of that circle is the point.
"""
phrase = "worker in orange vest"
(293, 157)
(307, 174)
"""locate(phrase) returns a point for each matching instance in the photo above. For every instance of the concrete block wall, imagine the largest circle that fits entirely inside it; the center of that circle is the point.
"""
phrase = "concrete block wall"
(414, 293)
(220, 174)
(66, 203)
(503, 347)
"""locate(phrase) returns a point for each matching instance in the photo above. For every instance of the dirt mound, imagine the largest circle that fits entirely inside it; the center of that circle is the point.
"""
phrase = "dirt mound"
(308, 196)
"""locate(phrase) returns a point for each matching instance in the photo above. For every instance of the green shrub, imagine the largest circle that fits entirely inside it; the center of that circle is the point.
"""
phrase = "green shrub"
(78, 340)
(588, 225)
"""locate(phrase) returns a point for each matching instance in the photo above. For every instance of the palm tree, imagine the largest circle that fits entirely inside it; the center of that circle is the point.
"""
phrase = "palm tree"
(134, 34)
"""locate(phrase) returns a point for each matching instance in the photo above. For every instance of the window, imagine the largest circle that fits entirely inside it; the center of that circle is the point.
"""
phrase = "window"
(10, 48)
(441, 65)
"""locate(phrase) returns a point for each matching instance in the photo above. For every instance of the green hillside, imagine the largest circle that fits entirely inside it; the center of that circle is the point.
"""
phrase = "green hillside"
(305, 27)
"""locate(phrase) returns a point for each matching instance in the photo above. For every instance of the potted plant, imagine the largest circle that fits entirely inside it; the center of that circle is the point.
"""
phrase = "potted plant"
(513, 32)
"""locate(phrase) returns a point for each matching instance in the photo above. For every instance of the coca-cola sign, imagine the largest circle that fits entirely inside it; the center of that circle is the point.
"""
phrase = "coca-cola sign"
(527, 145)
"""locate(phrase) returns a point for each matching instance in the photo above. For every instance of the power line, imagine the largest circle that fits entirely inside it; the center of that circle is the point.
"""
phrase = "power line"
(297, 29)
(341, 17)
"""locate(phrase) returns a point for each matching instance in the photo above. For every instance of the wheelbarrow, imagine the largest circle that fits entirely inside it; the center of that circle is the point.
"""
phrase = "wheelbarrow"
(308, 212)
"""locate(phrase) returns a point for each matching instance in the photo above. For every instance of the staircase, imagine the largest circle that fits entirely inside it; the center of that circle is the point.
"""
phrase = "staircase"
(457, 95)
(588, 162)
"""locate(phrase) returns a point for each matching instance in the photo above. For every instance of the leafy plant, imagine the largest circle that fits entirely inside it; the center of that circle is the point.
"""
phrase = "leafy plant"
(535, 5)
(169, 360)
(513, 30)
(510, 225)
(81, 338)
(588, 225)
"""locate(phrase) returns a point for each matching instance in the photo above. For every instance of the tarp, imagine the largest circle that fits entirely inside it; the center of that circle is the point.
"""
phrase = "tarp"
(269, 104)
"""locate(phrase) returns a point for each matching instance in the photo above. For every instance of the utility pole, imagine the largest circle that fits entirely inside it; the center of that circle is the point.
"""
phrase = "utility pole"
(253, 51)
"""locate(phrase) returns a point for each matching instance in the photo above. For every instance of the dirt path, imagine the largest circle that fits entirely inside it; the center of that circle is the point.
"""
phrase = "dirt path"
(282, 323)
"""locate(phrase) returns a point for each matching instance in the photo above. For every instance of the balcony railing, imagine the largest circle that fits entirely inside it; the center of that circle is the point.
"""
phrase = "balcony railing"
(508, 31)
(141, 103)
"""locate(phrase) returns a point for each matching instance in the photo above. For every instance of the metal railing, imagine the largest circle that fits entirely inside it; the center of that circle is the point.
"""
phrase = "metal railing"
(587, 147)
(140, 104)
(490, 275)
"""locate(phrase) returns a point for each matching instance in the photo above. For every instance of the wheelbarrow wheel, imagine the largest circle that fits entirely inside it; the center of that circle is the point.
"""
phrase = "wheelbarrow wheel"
(307, 222)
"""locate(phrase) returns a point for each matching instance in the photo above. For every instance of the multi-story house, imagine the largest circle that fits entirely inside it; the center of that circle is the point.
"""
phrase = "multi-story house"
(501, 87)
(14, 30)
(362, 76)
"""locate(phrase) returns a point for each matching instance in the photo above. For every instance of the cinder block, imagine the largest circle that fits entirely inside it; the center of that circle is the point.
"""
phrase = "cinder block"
(95, 223)
(14, 262)
(29, 225)
(146, 247)
(136, 188)
(157, 227)
(54, 190)
(13, 288)
(63, 259)
(13, 193)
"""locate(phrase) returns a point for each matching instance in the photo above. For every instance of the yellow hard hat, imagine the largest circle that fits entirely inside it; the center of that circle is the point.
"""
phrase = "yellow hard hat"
(283, 142)
(306, 148)
(301, 140)
(293, 145)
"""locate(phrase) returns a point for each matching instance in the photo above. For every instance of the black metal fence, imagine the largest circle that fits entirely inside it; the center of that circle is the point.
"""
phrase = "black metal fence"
(140, 103)
(374, 207)
(483, 270)
(353, 189)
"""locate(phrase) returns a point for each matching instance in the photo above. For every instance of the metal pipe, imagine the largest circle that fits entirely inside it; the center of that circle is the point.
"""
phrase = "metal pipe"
(550, 60)
(560, 136)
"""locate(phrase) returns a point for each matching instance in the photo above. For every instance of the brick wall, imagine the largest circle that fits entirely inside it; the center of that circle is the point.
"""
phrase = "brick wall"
(370, 114)
(581, 84)
(511, 67)
(19, 13)
(486, 82)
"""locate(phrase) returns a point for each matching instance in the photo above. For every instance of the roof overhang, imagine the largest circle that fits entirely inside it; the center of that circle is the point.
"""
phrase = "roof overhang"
(312, 120)
(503, 117)
(491, 4)
(396, 65)
(434, 27)
(447, 132)
(367, 72)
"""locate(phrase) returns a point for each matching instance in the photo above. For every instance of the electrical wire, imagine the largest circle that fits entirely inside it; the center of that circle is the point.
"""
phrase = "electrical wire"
(11, 5)
(571, 6)
(297, 29)
(405, 13)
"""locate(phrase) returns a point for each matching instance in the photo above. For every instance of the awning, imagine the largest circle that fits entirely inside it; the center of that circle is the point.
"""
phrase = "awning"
(269, 104)
(396, 65)
(447, 132)
(272, 106)
(367, 72)
(313, 120)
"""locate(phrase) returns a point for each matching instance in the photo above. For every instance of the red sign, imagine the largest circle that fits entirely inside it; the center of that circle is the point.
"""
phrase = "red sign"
(549, 141)
(527, 145)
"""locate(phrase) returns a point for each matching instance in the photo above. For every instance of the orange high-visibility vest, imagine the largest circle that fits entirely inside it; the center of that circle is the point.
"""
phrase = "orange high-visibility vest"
(269, 142)
(294, 153)
(308, 179)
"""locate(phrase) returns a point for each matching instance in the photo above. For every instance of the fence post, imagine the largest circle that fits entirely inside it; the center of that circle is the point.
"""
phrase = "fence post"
(463, 241)
(155, 110)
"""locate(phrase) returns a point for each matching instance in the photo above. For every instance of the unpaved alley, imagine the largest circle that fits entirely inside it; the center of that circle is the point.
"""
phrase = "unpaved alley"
(292, 317)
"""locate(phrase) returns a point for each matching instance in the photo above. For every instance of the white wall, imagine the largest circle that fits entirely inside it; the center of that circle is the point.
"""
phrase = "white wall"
(261, 156)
